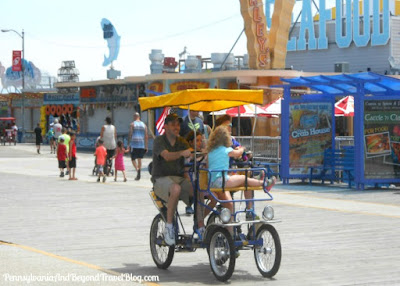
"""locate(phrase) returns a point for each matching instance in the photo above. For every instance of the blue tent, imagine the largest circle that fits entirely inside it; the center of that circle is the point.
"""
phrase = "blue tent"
(308, 125)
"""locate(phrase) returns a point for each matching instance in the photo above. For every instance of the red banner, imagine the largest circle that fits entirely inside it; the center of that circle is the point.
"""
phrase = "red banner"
(16, 61)
(88, 93)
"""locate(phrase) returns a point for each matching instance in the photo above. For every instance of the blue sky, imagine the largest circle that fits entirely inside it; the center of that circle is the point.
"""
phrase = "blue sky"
(58, 30)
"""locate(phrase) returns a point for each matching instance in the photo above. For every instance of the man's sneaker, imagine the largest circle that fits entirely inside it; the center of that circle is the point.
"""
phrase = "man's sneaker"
(104, 179)
(62, 174)
(67, 172)
(271, 183)
(189, 210)
(98, 180)
(169, 235)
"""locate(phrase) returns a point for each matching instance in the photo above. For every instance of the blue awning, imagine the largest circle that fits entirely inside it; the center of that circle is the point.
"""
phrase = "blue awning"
(346, 84)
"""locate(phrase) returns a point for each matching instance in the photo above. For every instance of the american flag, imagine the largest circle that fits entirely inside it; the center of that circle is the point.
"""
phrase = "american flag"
(161, 119)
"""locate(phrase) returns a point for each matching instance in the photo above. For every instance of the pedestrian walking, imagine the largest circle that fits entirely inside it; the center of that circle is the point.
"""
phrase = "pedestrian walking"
(51, 139)
(72, 156)
(109, 135)
(57, 129)
(67, 138)
(119, 160)
(138, 137)
(61, 155)
(39, 139)
(101, 155)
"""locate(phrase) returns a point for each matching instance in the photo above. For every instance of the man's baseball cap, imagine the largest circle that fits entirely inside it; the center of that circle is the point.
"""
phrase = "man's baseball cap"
(172, 117)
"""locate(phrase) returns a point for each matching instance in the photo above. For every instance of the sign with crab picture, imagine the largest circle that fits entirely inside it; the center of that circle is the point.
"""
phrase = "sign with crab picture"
(310, 130)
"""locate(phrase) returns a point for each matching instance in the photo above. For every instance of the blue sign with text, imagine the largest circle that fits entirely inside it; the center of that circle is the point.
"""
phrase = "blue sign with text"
(347, 25)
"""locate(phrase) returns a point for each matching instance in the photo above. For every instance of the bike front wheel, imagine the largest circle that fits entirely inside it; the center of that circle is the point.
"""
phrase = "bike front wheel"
(268, 255)
(221, 251)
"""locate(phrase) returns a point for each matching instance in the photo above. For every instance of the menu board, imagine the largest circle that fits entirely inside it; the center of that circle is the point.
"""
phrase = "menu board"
(382, 139)
(310, 133)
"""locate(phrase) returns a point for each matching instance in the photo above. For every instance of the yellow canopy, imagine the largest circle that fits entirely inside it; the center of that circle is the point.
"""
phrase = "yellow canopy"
(203, 99)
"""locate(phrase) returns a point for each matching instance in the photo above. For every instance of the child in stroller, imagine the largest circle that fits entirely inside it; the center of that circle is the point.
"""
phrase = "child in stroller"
(107, 168)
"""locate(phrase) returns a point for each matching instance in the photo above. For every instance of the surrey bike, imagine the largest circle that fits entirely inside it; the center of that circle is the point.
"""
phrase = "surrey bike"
(226, 233)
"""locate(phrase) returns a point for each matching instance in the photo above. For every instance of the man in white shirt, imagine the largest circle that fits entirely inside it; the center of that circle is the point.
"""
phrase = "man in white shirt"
(57, 129)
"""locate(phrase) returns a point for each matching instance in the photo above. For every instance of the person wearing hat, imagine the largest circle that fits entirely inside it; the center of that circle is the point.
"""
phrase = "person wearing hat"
(169, 153)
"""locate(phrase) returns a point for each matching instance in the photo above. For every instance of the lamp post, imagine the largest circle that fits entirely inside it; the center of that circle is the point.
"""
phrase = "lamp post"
(22, 36)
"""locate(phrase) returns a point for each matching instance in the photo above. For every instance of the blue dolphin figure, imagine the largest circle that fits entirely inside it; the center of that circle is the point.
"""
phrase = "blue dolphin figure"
(112, 38)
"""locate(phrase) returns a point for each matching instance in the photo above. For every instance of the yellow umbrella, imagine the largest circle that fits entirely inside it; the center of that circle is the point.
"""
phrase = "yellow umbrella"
(203, 99)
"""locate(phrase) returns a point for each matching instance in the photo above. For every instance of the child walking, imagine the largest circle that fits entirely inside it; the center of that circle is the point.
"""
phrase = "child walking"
(61, 155)
(101, 155)
(119, 160)
(72, 156)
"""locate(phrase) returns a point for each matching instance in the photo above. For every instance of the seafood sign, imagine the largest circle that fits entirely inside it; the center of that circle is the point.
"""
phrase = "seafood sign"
(113, 41)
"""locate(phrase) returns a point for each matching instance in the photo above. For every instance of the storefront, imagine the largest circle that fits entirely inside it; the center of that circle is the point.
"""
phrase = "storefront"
(27, 108)
(308, 126)
(118, 101)
(64, 107)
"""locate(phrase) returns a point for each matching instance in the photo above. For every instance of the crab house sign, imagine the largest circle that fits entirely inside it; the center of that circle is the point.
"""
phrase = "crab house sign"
(347, 31)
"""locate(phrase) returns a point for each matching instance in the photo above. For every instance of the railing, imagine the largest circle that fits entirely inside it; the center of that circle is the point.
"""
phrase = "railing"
(268, 148)
(264, 148)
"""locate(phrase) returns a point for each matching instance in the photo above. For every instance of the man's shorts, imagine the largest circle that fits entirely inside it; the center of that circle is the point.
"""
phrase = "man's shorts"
(163, 185)
(61, 164)
(72, 162)
(137, 153)
(100, 168)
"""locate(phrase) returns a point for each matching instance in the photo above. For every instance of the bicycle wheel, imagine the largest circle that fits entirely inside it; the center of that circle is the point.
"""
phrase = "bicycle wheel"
(162, 254)
(268, 255)
(221, 251)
